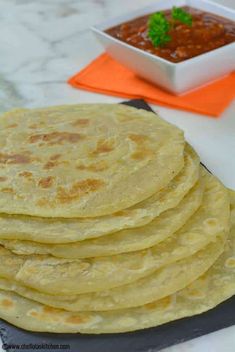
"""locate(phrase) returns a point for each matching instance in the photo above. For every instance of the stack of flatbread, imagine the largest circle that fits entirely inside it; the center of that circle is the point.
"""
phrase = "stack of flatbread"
(108, 222)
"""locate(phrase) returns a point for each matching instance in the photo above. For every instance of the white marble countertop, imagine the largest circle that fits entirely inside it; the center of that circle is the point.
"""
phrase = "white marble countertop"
(43, 42)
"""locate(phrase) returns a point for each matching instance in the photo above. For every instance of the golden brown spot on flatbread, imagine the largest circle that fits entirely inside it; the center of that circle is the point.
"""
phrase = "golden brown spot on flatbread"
(49, 165)
(34, 314)
(151, 306)
(196, 293)
(81, 122)
(166, 302)
(7, 303)
(45, 314)
(54, 161)
(163, 303)
(103, 146)
(76, 320)
(26, 174)
(142, 154)
(46, 182)
(203, 278)
(230, 262)
(49, 310)
(12, 126)
(55, 157)
(14, 159)
(79, 189)
(120, 213)
(56, 138)
(7, 190)
(99, 166)
(3, 179)
(138, 138)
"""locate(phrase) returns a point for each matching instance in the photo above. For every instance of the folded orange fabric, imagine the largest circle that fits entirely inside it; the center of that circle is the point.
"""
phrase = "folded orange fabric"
(105, 75)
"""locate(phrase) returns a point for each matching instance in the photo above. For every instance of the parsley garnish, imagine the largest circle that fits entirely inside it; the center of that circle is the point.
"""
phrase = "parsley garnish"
(159, 26)
(158, 29)
(179, 14)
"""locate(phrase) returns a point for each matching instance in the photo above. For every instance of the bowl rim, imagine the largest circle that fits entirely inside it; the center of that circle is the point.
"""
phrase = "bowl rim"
(102, 32)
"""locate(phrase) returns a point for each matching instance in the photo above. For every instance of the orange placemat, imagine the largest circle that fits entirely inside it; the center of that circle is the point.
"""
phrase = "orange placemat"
(105, 75)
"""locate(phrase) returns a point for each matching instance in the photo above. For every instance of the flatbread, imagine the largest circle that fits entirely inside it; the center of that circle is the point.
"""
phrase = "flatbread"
(214, 287)
(83, 160)
(161, 283)
(50, 230)
(70, 276)
(123, 241)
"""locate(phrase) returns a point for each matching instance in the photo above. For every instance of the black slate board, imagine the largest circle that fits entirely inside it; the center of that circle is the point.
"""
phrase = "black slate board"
(149, 340)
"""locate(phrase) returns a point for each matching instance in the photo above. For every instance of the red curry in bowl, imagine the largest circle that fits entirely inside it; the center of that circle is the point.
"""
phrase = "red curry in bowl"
(207, 32)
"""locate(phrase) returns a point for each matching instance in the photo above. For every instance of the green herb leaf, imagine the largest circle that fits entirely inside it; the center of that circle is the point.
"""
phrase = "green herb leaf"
(179, 14)
(158, 27)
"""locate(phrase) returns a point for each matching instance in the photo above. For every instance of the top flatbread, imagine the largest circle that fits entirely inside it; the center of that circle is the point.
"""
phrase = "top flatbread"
(84, 160)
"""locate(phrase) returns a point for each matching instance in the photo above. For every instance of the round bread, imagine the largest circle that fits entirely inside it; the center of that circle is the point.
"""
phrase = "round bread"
(214, 287)
(84, 160)
(51, 230)
(74, 276)
(161, 283)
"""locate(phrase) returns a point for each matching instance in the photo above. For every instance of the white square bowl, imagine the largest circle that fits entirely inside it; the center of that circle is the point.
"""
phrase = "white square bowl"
(179, 77)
